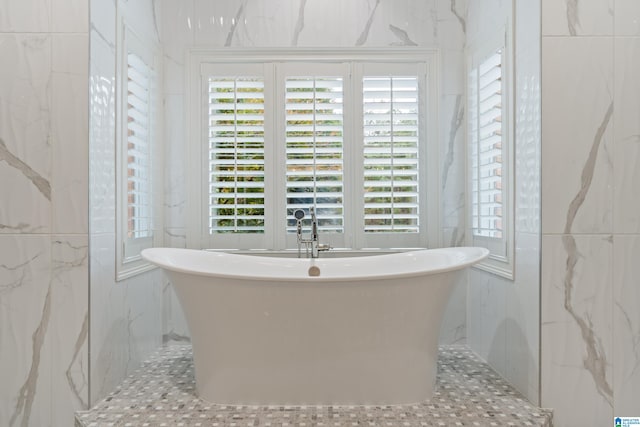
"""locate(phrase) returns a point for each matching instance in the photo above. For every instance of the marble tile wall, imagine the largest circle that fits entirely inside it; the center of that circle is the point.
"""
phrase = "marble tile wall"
(44, 50)
(126, 316)
(590, 181)
(503, 315)
(319, 23)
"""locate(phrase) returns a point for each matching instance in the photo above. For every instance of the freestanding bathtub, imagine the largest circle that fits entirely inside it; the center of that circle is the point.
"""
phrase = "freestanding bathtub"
(269, 331)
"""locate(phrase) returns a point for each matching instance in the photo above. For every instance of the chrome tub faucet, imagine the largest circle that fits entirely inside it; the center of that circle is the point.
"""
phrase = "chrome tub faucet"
(311, 242)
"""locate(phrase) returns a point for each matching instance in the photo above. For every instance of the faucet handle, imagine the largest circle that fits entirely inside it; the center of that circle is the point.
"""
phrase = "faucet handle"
(323, 247)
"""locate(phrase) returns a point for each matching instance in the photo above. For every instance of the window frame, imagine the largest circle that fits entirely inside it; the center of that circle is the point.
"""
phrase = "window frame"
(277, 238)
(501, 260)
(128, 259)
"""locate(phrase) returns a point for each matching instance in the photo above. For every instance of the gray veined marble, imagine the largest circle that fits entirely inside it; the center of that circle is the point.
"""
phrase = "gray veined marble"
(459, 17)
(299, 23)
(16, 283)
(587, 171)
(43, 185)
(573, 22)
(362, 39)
(457, 118)
(595, 361)
(27, 393)
(234, 24)
(156, 28)
(21, 227)
(74, 385)
(402, 35)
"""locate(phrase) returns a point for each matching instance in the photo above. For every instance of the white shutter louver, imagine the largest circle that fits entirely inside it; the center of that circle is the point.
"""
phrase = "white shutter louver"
(236, 155)
(390, 109)
(486, 131)
(139, 204)
(314, 149)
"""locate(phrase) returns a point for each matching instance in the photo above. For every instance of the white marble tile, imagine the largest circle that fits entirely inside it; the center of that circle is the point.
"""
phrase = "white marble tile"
(577, 110)
(453, 162)
(69, 333)
(577, 17)
(28, 16)
(103, 20)
(174, 323)
(523, 318)
(527, 23)
(143, 314)
(174, 74)
(455, 236)
(126, 318)
(70, 143)
(102, 135)
(25, 154)
(144, 18)
(527, 117)
(486, 19)
(175, 188)
(225, 23)
(626, 203)
(454, 322)
(396, 23)
(178, 28)
(450, 24)
(70, 16)
(452, 72)
(486, 317)
(577, 330)
(175, 237)
(627, 18)
(25, 317)
(626, 325)
(108, 357)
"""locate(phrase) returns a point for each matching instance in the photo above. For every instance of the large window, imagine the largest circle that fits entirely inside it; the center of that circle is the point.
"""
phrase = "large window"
(490, 140)
(348, 138)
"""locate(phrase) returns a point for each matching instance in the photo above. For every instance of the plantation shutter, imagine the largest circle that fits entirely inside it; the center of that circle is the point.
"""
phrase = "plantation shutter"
(138, 128)
(314, 137)
(236, 155)
(391, 154)
(486, 150)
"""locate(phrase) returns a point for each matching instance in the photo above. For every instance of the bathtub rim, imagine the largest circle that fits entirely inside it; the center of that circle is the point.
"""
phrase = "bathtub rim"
(471, 255)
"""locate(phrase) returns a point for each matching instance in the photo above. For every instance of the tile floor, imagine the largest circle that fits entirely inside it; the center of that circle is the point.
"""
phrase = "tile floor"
(162, 393)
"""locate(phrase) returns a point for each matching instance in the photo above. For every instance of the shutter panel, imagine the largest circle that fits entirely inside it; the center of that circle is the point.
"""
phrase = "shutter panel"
(487, 140)
(391, 178)
(314, 149)
(236, 155)
(139, 216)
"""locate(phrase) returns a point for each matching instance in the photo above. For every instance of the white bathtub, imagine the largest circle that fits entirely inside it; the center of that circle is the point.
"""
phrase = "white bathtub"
(365, 331)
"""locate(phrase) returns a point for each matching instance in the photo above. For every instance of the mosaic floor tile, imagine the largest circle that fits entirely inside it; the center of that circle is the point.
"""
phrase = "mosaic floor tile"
(162, 393)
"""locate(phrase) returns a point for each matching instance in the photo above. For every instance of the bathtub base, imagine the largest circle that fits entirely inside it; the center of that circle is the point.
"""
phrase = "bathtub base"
(358, 343)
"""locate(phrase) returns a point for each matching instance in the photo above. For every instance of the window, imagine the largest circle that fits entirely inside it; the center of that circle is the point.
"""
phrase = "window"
(137, 155)
(490, 141)
(391, 154)
(346, 137)
(236, 155)
(314, 138)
